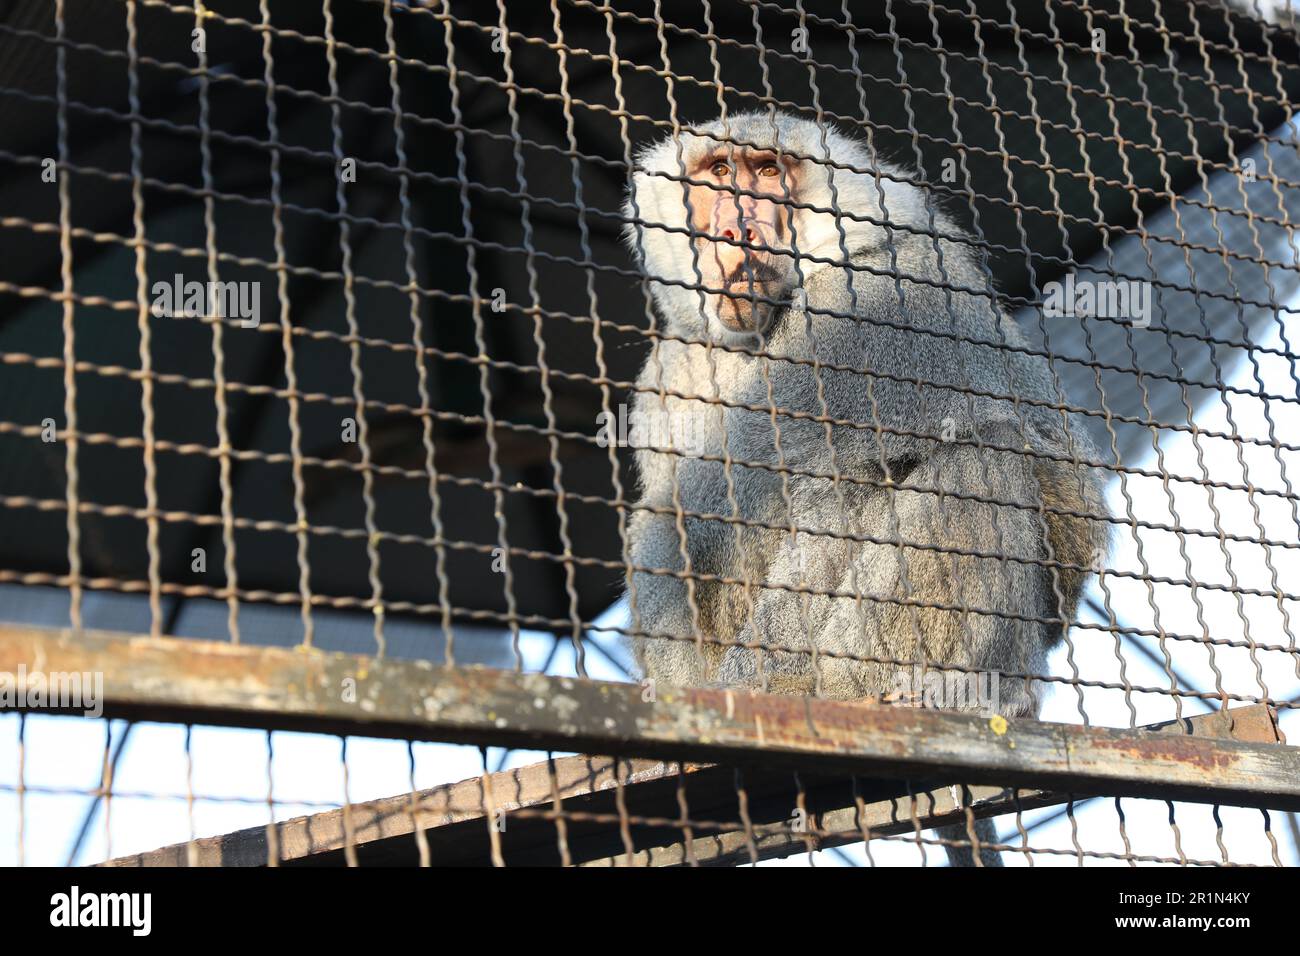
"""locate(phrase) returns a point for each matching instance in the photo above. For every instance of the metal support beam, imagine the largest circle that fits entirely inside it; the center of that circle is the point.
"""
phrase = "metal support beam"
(181, 680)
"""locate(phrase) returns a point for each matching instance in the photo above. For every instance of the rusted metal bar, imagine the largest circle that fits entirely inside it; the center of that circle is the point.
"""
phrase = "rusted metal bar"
(203, 682)
(452, 816)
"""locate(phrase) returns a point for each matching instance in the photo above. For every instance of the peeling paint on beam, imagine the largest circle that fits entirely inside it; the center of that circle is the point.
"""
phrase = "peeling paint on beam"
(174, 679)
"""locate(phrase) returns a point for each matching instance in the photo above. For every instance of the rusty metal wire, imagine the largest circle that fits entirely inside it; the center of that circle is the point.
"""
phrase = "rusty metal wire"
(408, 439)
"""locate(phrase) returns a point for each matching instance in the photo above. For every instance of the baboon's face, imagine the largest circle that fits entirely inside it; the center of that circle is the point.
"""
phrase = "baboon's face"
(728, 207)
(742, 218)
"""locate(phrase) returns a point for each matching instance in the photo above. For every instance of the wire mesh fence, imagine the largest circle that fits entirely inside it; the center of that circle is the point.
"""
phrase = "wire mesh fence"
(926, 370)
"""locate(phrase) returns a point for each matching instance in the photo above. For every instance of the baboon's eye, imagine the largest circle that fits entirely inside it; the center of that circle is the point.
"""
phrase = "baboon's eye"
(769, 169)
(721, 169)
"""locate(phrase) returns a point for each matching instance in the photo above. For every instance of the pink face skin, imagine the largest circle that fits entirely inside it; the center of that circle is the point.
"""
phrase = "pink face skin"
(742, 271)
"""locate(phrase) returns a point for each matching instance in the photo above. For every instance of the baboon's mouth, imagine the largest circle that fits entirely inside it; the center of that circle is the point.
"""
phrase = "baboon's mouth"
(745, 287)
(758, 274)
(743, 307)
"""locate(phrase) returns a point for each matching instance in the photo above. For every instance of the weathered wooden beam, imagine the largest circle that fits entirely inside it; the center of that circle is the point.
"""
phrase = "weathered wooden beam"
(452, 818)
(182, 680)
(834, 828)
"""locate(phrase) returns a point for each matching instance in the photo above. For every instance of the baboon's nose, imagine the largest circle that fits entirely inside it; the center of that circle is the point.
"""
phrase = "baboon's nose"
(751, 234)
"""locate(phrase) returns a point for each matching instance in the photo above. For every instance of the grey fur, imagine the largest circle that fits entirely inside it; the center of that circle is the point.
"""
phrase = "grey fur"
(911, 448)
